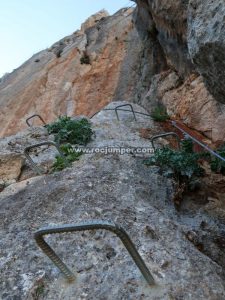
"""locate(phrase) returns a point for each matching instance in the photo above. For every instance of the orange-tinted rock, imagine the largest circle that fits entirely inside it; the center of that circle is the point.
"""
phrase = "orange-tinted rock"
(57, 81)
(189, 102)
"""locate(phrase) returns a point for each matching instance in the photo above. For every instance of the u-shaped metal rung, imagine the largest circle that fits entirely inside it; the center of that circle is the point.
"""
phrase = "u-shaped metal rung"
(94, 114)
(34, 166)
(91, 225)
(114, 109)
(164, 135)
(36, 115)
(122, 105)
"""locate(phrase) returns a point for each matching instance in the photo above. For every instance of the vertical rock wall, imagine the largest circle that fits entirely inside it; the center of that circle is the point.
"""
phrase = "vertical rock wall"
(191, 40)
(78, 75)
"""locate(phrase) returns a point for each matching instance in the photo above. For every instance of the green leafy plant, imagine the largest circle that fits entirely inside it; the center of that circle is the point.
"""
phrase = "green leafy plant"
(187, 145)
(216, 164)
(159, 114)
(59, 164)
(71, 131)
(70, 155)
(182, 164)
(56, 126)
(85, 60)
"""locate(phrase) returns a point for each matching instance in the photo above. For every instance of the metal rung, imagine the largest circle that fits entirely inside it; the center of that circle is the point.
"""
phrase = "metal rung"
(91, 225)
(136, 112)
(118, 108)
(34, 166)
(131, 107)
(95, 114)
(36, 115)
(164, 135)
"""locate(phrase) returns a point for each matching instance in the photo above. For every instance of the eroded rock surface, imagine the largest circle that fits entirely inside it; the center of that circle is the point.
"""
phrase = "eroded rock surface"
(10, 167)
(112, 187)
(13, 163)
(206, 43)
(189, 102)
(191, 40)
(77, 75)
(125, 57)
(166, 21)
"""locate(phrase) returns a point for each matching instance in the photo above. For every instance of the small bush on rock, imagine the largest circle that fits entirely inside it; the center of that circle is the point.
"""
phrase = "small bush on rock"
(217, 165)
(70, 155)
(85, 59)
(182, 164)
(159, 114)
(69, 132)
(66, 130)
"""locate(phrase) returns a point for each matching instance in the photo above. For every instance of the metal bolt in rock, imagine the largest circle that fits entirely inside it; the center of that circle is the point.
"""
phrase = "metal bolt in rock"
(31, 117)
(92, 225)
(118, 108)
(33, 164)
(164, 135)
(136, 112)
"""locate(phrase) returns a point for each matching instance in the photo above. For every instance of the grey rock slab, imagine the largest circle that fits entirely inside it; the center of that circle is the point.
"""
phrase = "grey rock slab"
(206, 43)
(114, 187)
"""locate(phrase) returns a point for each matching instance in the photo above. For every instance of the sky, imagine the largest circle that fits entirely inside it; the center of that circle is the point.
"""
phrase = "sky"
(28, 26)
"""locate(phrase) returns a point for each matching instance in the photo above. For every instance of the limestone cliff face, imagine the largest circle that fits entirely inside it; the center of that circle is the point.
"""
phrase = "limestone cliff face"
(206, 42)
(184, 247)
(165, 51)
(166, 21)
(77, 75)
(191, 103)
(147, 56)
(190, 35)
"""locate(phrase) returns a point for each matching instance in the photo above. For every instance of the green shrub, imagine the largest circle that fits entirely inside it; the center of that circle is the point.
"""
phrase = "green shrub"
(187, 145)
(59, 164)
(85, 60)
(182, 164)
(57, 125)
(71, 131)
(159, 114)
(217, 165)
(70, 155)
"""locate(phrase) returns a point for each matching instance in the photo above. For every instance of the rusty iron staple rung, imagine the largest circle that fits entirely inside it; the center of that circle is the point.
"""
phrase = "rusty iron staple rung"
(36, 115)
(136, 112)
(94, 114)
(34, 166)
(164, 135)
(131, 107)
(91, 225)
(127, 110)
